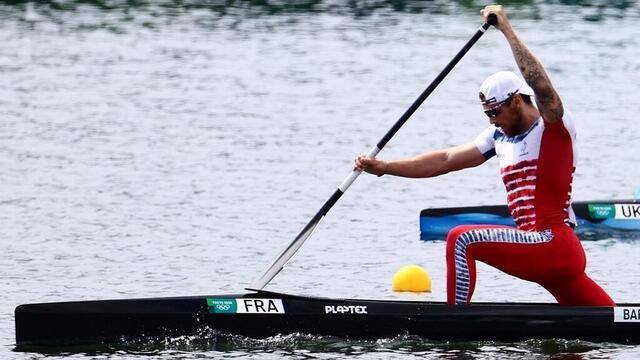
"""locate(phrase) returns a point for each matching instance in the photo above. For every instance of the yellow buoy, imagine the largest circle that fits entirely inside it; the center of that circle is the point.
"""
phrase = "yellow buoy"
(411, 278)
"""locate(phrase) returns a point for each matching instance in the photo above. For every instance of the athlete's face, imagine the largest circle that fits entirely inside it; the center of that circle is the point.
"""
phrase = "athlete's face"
(503, 116)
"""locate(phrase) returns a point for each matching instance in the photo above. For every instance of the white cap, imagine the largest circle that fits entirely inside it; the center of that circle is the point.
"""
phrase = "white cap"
(501, 85)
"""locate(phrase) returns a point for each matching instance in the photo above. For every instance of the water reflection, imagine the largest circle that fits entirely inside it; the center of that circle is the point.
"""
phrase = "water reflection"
(210, 344)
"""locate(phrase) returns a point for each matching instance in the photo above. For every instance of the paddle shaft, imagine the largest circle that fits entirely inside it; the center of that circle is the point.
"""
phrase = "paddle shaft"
(276, 266)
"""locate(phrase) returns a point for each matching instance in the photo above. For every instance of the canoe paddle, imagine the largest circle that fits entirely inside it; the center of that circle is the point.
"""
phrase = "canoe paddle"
(277, 264)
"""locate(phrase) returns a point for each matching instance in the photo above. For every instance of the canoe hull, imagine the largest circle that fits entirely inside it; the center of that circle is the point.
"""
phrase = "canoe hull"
(265, 314)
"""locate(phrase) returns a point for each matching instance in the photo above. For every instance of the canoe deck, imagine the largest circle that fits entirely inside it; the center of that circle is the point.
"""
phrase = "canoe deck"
(263, 314)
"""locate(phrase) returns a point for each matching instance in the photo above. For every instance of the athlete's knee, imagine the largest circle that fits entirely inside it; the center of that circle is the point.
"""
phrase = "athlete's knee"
(456, 231)
(454, 235)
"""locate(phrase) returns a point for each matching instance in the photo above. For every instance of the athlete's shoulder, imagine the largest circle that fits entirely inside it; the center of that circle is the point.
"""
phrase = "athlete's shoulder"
(567, 122)
(486, 141)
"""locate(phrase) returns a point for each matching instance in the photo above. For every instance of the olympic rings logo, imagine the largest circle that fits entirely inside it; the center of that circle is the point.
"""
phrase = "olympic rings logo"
(223, 307)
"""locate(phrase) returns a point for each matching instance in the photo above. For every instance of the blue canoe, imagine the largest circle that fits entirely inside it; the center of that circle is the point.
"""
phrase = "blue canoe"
(596, 219)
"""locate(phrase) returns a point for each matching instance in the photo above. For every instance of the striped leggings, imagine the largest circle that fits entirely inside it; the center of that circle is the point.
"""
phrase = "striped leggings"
(553, 258)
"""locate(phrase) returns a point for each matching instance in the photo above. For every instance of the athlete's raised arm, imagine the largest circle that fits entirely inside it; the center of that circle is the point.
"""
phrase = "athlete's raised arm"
(547, 99)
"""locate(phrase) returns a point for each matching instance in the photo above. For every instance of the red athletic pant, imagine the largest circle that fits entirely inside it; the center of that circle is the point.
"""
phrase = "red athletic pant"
(553, 258)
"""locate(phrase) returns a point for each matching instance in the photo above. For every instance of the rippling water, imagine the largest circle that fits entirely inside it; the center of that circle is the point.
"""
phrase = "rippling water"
(174, 148)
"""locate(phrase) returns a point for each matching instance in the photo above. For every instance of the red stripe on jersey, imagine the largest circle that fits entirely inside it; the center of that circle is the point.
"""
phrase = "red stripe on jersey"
(519, 165)
(527, 226)
(555, 175)
(525, 193)
(519, 211)
(520, 183)
(520, 202)
(522, 174)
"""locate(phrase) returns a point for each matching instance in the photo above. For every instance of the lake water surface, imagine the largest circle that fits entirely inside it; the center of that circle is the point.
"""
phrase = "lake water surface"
(174, 148)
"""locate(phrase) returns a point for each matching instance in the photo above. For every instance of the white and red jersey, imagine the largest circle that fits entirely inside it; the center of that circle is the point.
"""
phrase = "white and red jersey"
(537, 170)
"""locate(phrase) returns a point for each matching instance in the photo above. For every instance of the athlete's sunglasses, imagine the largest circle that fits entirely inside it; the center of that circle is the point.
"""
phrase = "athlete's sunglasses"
(497, 109)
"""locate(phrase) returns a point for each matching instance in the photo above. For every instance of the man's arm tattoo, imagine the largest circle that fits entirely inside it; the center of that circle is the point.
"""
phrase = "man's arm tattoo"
(534, 74)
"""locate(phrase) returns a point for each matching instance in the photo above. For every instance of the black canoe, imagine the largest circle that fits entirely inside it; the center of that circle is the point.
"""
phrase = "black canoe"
(263, 314)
